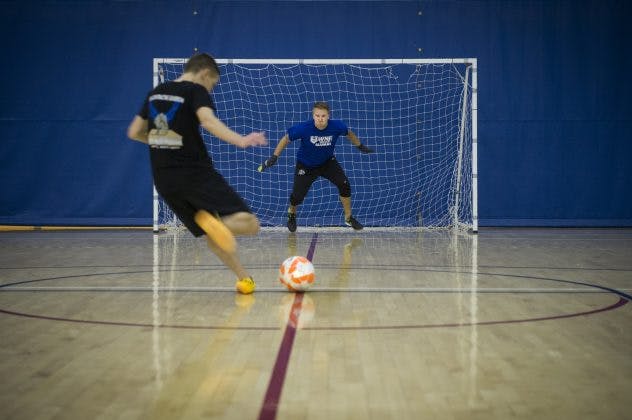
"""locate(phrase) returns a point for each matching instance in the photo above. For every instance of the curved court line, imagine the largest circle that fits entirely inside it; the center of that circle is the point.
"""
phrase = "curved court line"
(399, 267)
(134, 324)
(616, 305)
(623, 299)
(618, 292)
(206, 289)
(619, 303)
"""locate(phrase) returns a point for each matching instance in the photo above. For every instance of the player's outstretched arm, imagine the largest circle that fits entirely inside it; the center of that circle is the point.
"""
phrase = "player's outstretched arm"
(137, 130)
(357, 143)
(272, 160)
(213, 125)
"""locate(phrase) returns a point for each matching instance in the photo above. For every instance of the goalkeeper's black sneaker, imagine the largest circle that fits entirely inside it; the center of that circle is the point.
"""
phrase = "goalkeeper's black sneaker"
(351, 221)
(291, 222)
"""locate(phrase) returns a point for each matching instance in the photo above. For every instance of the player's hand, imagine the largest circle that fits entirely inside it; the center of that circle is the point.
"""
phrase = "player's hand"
(364, 149)
(254, 139)
(271, 161)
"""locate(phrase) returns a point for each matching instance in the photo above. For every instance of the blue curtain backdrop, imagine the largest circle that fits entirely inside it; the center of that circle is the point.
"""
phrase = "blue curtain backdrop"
(554, 94)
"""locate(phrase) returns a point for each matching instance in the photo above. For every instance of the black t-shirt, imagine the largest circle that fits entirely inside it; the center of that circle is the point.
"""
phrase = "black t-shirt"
(174, 104)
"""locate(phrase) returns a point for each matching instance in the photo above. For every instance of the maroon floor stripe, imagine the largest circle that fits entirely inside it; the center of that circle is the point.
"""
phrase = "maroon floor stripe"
(275, 387)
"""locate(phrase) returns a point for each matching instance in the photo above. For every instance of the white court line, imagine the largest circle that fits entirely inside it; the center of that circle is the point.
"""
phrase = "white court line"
(586, 289)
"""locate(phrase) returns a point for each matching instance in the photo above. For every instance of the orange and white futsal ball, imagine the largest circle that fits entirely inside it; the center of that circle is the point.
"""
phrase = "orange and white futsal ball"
(297, 274)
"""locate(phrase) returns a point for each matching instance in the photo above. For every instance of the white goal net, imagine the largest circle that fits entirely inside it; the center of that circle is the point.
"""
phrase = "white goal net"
(419, 116)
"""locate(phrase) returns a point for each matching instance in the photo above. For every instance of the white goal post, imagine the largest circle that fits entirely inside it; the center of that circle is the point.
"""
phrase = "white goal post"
(419, 115)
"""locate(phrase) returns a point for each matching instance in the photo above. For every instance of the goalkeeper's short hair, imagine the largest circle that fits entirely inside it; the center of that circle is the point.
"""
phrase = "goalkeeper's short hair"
(199, 62)
(322, 105)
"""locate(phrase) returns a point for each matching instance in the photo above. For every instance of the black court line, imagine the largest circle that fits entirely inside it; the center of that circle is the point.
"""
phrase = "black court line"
(595, 288)
(621, 302)
(616, 305)
(7, 286)
(221, 267)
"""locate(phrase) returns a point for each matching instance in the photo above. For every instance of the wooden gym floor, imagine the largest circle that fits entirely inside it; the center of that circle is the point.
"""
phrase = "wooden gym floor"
(509, 323)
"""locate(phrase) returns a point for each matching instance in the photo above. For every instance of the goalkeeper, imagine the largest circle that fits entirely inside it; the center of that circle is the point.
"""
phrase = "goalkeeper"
(315, 158)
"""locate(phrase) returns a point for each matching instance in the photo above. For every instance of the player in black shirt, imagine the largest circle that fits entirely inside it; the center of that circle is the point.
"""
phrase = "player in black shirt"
(182, 169)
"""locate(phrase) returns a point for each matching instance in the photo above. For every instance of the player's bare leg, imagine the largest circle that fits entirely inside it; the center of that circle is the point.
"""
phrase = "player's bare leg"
(220, 239)
(242, 223)
(229, 259)
(216, 230)
(222, 230)
(245, 283)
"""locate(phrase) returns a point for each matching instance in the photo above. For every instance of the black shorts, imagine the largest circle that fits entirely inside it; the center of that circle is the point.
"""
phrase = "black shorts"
(187, 190)
(304, 177)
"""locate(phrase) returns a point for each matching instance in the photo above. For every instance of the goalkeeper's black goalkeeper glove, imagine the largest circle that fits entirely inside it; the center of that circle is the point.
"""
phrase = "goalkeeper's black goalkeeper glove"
(364, 149)
(268, 163)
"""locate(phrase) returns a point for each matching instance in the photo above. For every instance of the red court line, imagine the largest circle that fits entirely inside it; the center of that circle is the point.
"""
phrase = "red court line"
(275, 387)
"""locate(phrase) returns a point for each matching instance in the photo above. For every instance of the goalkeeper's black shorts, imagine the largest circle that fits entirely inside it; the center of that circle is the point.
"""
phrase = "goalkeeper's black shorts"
(304, 177)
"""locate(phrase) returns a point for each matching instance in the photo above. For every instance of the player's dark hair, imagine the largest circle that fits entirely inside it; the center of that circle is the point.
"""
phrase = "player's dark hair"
(322, 105)
(199, 62)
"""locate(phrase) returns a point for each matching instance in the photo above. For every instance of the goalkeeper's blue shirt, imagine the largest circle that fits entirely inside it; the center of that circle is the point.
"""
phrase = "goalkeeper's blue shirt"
(317, 146)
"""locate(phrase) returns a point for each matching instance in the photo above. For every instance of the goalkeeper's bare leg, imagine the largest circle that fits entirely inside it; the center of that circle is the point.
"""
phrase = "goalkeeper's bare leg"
(346, 205)
(349, 219)
(291, 218)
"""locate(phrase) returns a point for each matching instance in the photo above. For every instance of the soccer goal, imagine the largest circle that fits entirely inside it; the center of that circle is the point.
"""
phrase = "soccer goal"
(419, 115)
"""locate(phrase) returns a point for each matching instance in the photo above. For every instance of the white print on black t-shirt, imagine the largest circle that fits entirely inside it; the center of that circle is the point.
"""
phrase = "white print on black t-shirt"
(321, 140)
(162, 137)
